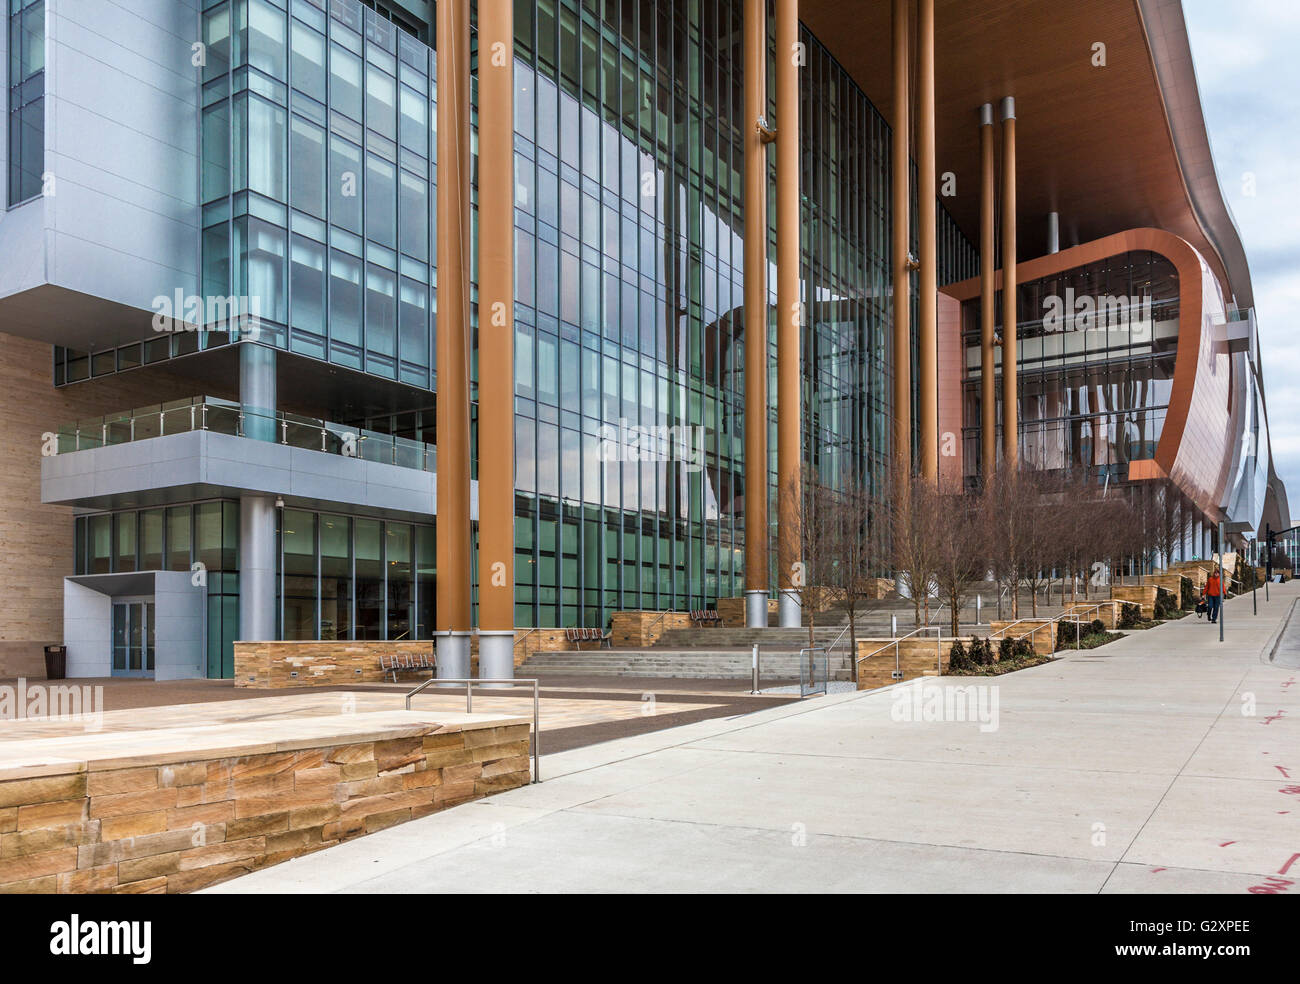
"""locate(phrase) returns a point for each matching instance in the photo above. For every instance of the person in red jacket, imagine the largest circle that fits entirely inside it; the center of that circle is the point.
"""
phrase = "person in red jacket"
(1213, 595)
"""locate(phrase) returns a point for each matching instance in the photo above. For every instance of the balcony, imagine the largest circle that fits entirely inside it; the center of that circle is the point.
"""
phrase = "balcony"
(208, 448)
(206, 413)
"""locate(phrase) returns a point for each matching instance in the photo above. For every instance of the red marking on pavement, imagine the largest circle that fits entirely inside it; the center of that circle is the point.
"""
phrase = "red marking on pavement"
(1274, 717)
(1290, 790)
(1272, 886)
(1226, 843)
(1290, 861)
(1285, 774)
(1154, 870)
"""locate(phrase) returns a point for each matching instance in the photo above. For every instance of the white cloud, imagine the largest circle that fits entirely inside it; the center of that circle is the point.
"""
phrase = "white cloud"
(1247, 68)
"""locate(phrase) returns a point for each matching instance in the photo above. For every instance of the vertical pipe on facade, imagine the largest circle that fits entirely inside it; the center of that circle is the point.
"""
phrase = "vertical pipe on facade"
(928, 285)
(452, 402)
(1010, 413)
(755, 279)
(988, 264)
(496, 445)
(1053, 232)
(901, 248)
(789, 322)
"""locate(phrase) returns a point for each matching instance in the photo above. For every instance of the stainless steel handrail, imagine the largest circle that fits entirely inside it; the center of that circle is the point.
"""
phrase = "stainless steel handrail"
(469, 707)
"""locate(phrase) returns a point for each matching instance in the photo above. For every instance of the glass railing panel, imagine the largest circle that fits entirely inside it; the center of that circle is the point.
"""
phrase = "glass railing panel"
(228, 417)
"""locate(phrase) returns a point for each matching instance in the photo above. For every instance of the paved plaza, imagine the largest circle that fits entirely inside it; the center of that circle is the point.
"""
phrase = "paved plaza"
(1163, 762)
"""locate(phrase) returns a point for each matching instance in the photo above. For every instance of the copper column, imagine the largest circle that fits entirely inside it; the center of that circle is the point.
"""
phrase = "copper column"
(756, 533)
(1010, 412)
(789, 321)
(452, 402)
(496, 338)
(988, 263)
(928, 286)
(901, 252)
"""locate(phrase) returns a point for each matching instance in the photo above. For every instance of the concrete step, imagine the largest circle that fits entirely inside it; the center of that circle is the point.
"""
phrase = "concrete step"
(676, 665)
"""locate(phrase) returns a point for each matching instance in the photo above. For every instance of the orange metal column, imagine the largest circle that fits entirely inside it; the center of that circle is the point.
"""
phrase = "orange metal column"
(988, 262)
(928, 286)
(496, 339)
(901, 251)
(756, 562)
(1010, 412)
(452, 402)
(789, 321)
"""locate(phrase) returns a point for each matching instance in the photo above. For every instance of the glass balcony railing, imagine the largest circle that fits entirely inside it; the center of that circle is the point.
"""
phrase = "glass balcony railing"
(225, 417)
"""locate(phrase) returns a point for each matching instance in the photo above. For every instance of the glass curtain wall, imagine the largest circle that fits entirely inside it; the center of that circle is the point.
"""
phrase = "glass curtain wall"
(318, 192)
(318, 183)
(1096, 365)
(629, 301)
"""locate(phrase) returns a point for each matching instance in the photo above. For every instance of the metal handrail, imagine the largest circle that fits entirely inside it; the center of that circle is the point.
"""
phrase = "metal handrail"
(662, 615)
(469, 707)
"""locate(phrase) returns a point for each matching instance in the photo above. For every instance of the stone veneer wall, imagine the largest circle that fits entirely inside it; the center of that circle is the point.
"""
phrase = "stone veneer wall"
(916, 657)
(273, 665)
(1043, 638)
(1143, 595)
(181, 826)
(1108, 612)
(639, 629)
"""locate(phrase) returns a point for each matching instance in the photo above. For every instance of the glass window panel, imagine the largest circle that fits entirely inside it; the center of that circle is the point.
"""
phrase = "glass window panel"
(151, 540)
(307, 61)
(298, 542)
(266, 49)
(381, 201)
(369, 580)
(425, 559)
(178, 538)
(345, 184)
(266, 148)
(381, 102)
(381, 311)
(413, 216)
(336, 577)
(307, 151)
(124, 534)
(345, 82)
(345, 298)
(401, 588)
(307, 281)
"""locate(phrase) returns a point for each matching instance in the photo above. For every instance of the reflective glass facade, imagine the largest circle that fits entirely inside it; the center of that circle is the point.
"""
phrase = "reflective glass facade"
(1096, 354)
(26, 99)
(318, 190)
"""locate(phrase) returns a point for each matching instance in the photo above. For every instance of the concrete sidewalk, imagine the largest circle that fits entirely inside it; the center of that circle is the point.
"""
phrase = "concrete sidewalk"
(1163, 762)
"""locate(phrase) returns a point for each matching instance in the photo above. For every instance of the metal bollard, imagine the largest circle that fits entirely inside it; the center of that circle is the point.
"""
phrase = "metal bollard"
(754, 670)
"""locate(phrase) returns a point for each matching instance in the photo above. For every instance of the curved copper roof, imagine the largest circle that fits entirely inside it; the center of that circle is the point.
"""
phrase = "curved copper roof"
(1110, 147)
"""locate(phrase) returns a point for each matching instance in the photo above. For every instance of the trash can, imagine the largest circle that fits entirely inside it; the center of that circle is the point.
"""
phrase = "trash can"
(56, 662)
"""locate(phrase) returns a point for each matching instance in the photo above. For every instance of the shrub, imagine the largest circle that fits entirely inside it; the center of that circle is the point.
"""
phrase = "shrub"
(959, 660)
(1130, 614)
(1188, 596)
(981, 653)
(1022, 649)
(1096, 627)
(1005, 650)
(1165, 603)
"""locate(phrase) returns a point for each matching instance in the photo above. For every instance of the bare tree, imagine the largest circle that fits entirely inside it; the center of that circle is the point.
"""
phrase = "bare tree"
(1006, 502)
(1171, 522)
(913, 529)
(960, 555)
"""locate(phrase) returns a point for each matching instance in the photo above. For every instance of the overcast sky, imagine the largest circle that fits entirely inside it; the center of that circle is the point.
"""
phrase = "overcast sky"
(1247, 56)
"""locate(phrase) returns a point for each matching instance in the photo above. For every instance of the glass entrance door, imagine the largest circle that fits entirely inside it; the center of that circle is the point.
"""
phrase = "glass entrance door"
(133, 638)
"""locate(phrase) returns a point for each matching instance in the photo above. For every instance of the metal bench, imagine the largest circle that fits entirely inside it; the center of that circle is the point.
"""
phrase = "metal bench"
(582, 633)
(405, 663)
